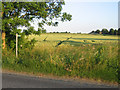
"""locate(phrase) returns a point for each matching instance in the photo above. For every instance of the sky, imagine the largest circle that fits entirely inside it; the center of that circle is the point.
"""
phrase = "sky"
(87, 16)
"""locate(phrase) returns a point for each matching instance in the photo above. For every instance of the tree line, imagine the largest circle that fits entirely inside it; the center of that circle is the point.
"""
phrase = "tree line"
(105, 31)
(60, 32)
(31, 30)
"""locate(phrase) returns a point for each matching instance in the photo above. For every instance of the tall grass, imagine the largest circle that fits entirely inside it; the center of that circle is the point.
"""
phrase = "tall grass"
(97, 61)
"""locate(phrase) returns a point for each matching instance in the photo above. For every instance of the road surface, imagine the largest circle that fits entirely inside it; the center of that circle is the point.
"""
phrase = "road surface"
(10, 80)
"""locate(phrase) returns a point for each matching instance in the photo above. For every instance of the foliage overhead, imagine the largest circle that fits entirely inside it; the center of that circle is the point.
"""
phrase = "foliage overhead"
(19, 13)
(15, 14)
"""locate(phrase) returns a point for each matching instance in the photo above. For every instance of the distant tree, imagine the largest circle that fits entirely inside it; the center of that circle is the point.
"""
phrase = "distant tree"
(97, 31)
(119, 31)
(116, 32)
(79, 33)
(92, 32)
(105, 31)
(43, 31)
(111, 32)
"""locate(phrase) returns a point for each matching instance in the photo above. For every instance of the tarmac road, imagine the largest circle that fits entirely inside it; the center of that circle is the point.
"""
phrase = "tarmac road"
(10, 80)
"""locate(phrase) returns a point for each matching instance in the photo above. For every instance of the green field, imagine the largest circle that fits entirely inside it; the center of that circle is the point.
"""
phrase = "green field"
(77, 39)
(83, 55)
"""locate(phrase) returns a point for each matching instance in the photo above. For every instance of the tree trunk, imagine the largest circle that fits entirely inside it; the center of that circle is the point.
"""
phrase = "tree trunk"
(3, 39)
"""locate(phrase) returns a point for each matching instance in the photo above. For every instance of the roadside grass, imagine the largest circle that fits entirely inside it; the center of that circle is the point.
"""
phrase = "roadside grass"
(85, 59)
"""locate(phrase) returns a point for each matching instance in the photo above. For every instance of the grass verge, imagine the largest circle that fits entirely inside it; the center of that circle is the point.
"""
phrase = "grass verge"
(99, 62)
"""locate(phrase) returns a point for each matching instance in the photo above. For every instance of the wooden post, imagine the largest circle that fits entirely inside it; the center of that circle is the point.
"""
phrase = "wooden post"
(16, 45)
(3, 38)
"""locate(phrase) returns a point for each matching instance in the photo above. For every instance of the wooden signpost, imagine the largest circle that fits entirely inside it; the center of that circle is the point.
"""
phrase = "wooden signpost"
(17, 44)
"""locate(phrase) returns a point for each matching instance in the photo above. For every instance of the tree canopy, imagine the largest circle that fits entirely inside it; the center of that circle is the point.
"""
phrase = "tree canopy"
(97, 31)
(15, 14)
(104, 31)
(111, 32)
